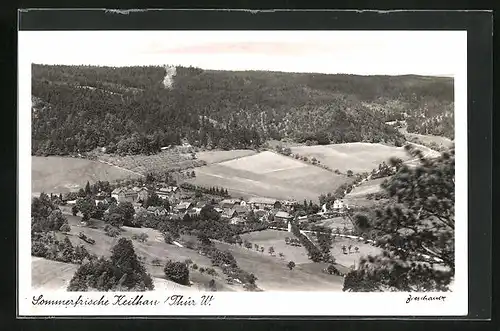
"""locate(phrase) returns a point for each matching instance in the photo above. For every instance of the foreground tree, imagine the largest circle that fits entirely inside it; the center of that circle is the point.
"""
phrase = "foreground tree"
(177, 272)
(417, 231)
(87, 207)
(121, 272)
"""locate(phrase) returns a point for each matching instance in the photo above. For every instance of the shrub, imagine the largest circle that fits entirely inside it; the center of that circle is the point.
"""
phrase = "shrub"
(142, 237)
(111, 231)
(65, 228)
(177, 272)
(195, 266)
(211, 271)
(212, 286)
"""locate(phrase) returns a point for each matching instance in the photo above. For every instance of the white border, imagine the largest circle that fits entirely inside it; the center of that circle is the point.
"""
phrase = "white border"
(251, 304)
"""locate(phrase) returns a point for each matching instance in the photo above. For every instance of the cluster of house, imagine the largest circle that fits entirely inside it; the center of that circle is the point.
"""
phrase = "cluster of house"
(234, 210)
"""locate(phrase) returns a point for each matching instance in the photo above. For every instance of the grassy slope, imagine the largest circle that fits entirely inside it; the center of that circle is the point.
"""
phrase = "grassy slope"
(153, 248)
(273, 274)
(221, 156)
(357, 157)
(63, 174)
(271, 175)
(271, 271)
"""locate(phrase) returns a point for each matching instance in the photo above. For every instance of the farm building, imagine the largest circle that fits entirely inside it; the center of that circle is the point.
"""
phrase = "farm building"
(339, 205)
(229, 203)
(142, 193)
(194, 211)
(183, 207)
(264, 203)
(157, 211)
(167, 192)
(237, 220)
(282, 216)
(123, 195)
(201, 204)
(229, 213)
(241, 210)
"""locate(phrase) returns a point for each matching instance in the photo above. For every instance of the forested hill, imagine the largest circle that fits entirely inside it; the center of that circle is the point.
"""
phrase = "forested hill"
(133, 110)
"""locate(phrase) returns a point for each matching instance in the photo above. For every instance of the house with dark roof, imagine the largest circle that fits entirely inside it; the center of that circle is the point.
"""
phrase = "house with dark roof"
(156, 210)
(124, 195)
(237, 220)
(183, 207)
(229, 203)
(229, 213)
(241, 210)
(264, 203)
(282, 216)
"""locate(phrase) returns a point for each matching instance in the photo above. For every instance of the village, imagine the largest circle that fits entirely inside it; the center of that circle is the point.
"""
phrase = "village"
(184, 201)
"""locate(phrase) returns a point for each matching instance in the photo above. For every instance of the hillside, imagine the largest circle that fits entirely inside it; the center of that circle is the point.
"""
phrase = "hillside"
(270, 175)
(129, 110)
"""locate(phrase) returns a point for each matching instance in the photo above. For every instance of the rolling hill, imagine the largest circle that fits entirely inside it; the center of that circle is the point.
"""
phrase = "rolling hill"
(128, 110)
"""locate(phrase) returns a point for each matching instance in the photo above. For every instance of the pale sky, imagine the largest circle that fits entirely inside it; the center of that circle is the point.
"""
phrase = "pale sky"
(354, 52)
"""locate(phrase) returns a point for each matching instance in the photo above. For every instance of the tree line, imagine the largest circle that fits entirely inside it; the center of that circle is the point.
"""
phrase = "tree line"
(128, 111)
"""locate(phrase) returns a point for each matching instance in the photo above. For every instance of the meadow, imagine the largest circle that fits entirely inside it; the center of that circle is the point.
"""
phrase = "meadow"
(175, 159)
(276, 239)
(220, 156)
(273, 274)
(271, 271)
(357, 157)
(55, 174)
(271, 175)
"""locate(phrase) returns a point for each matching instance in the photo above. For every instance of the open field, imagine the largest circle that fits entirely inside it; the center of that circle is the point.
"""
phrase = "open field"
(219, 156)
(273, 274)
(271, 271)
(63, 174)
(51, 275)
(427, 139)
(276, 239)
(358, 196)
(357, 157)
(153, 248)
(174, 159)
(336, 222)
(268, 174)
(352, 258)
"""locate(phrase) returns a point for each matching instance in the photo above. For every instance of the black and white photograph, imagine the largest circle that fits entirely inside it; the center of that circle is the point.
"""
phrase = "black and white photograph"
(244, 163)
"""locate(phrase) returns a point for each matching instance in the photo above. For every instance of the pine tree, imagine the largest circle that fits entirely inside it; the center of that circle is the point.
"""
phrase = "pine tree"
(88, 191)
(417, 231)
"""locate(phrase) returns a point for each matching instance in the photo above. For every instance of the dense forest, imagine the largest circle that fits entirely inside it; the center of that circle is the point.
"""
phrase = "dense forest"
(128, 110)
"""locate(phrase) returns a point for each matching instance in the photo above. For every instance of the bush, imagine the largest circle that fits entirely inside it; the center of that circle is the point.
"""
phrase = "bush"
(168, 238)
(156, 262)
(195, 266)
(65, 228)
(212, 286)
(111, 231)
(211, 271)
(142, 237)
(177, 272)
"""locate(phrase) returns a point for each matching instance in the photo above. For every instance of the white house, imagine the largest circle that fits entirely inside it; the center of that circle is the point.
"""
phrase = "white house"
(339, 205)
